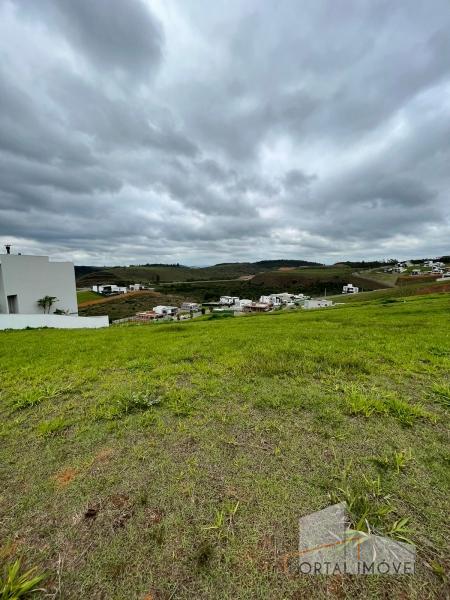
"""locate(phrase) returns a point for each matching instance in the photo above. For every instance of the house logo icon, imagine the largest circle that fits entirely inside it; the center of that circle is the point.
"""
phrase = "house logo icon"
(327, 546)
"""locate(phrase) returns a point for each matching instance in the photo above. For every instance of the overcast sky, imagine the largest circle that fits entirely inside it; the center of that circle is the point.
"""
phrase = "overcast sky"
(190, 131)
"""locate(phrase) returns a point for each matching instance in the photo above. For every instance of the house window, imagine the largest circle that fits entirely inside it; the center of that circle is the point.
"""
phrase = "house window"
(12, 305)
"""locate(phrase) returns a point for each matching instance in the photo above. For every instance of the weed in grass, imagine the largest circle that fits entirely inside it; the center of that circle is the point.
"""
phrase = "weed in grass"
(399, 530)
(14, 585)
(52, 427)
(31, 397)
(369, 506)
(121, 404)
(405, 412)
(365, 502)
(223, 524)
(384, 403)
(179, 401)
(439, 571)
(442, 394)
(359, 403)
(149, 419)
(28, 399)
(397, 461)
(401, 459)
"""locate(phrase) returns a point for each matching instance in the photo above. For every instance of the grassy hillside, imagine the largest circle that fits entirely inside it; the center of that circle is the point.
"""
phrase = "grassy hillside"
(398, 292)
(173, 461)
(173, 273)
(87, 296)
(308, 280)
(315, 280)
(209, 283)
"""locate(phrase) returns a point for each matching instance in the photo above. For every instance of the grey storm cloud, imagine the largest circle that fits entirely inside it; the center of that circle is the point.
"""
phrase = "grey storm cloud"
(146, 131)
(111, 35)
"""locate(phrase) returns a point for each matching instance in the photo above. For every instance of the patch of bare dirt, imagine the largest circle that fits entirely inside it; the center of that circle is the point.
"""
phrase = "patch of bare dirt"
(64, 477)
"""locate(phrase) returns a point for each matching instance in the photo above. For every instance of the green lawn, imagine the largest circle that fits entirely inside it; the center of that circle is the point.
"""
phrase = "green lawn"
(173, 461)
(87, 295)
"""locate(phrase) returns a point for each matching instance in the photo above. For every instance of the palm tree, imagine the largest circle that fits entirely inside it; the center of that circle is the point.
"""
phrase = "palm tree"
(47, 302)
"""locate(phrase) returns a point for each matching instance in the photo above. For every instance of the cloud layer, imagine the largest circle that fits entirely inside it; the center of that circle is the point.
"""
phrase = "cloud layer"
(169, 131)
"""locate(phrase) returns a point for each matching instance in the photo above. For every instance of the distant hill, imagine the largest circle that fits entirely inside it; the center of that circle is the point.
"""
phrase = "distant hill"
(156, 274)
(85, 270)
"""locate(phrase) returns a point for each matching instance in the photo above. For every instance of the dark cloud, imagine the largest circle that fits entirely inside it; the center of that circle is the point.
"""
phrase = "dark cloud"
(295, 179)
(180, 131)
(121, 38)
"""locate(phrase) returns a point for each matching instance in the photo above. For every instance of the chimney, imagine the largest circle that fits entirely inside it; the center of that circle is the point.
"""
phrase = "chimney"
(8, 248)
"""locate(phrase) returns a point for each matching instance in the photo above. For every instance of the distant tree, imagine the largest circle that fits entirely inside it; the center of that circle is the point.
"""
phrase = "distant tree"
(47, 302)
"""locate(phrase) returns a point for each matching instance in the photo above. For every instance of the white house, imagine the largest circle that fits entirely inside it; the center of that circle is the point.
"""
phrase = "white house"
(25, 279)
(444, 277)
(109, 289)
(299, 297)
(350, 289)
(317, 303)
(244, 302)
(228, 300)
(136, 287)
(257, 307)
(190, 306)
(166, 311)
(277, 299)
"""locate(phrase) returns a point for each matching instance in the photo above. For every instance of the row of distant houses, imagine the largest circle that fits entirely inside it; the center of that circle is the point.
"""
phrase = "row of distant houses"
(113, 290)
(267, 303)
(232, 305)
(186, 311)
(433, 267)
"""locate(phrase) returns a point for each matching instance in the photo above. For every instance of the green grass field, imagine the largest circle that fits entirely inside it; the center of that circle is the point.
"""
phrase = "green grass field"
(173, 461)
(87, 295)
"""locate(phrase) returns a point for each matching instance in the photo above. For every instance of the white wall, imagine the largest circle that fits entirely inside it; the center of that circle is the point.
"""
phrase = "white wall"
(57, 321)
(32, 278)
(317, 304)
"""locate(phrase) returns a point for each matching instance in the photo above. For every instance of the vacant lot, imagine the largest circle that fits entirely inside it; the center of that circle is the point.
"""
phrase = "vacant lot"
(173, 461)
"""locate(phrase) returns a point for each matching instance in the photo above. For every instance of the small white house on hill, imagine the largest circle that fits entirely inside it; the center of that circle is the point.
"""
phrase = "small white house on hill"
(191, 306)
(445, 277)
(228, 300)
(109, 289)
(166, 311)
(317, 303)
(350, 289)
